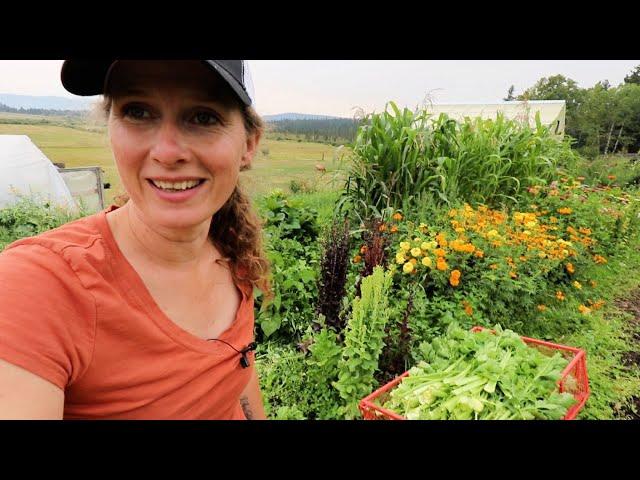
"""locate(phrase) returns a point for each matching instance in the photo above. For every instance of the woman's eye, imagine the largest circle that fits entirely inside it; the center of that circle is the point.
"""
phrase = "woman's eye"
(205, 118)
(136, 112)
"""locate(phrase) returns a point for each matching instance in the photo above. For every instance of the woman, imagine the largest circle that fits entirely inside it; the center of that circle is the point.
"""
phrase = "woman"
(145, 311)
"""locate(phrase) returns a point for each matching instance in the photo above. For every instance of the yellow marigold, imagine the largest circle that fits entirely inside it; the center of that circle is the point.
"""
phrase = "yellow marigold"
(408, 267)
(460, 230)
(405, 246)
(426, 261)
(542, 308)
(400, 258)
(416, 252)
(393, 229)
(357, 259)
(570, 268)
(513, 274)
(553, 220)
(424, 246)
(577, 284)
(454, 278)
(440, 252)
(584, 310)
(423, 228)
(564, 211)
(441, 239)
(559, 295)
(397, 216)
(492, 233)
(453, 212)
(441, 264)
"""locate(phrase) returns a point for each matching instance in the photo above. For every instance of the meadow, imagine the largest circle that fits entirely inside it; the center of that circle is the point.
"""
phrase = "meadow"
(277, 163)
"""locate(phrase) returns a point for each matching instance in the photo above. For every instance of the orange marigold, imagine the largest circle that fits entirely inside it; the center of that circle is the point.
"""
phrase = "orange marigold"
(454, 278)
(397, 216)
(570, 268)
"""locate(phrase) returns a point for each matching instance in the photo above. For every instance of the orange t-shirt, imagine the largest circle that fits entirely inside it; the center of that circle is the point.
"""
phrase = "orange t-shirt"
(75, 312)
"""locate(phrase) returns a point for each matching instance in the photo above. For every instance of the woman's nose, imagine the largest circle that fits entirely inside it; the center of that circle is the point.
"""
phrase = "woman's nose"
(169, 146)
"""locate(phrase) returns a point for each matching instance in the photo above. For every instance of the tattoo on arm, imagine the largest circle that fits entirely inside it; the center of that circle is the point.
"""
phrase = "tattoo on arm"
(246, 408)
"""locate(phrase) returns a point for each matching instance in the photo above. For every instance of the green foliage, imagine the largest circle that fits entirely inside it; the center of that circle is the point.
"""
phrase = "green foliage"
(364, 340)
(28, 217)
(288, 218)
(403, 159)
(465, 376)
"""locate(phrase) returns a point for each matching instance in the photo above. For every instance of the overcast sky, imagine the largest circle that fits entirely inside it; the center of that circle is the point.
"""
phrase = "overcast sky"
(337, 87)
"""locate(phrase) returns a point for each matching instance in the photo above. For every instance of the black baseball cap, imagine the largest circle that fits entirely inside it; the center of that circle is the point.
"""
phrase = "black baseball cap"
(89, 77)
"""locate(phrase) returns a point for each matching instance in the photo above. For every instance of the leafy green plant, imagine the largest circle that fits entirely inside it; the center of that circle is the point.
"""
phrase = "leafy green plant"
(364, 340)
(466, 376)
(288, 218)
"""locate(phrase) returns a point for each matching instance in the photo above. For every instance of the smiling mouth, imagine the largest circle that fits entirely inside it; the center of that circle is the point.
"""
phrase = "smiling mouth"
(176, 186)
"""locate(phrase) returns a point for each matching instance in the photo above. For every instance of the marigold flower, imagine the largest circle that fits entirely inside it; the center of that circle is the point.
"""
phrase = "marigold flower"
(441, 239)
(570, 268)
(357, 259)
(454, 278)
(564, 210)
(599, 259)
(611, 177)
(559, 295)
(393, 229)
(426, 261)
(416, 252)
(493, 266)
(405, 246)
(400, 258)
(414, 261)
(363, 249)
(407, 267)
(397, 216)
(584, 310)
(440, 252)
(479, 253)
(513, 274)
(382, 228)
(441, 264)
(542, 308)
(577, 284)
(593, 283)
(553, 220)
(467, 308)
(423, 228)
(460, 230)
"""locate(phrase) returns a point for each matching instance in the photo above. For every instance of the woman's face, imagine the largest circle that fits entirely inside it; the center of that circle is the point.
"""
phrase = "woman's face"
(178, 139)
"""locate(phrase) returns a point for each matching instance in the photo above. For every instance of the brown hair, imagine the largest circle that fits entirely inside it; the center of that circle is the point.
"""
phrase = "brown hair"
(236, 229)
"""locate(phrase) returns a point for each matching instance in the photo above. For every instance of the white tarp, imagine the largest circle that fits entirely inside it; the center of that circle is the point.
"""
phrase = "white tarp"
(25, 170)
(552, 112)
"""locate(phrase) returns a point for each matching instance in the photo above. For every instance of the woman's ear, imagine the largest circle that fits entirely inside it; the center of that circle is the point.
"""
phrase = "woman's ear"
(251, 147)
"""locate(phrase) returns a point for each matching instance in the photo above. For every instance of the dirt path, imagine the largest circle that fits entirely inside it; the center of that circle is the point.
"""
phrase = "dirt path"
(631, 359)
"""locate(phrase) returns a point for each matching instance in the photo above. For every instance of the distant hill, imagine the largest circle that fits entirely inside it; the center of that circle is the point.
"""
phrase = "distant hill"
(45, 103)
(296, 116)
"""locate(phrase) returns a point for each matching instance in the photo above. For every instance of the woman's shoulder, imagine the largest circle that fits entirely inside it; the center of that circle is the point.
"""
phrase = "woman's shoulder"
(79, 243)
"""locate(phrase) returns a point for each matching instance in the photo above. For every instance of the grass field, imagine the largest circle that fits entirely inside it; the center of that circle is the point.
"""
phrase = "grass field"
(277, 163)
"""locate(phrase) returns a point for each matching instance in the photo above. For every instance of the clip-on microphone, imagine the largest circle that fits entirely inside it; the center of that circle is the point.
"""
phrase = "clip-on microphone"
(244, 361)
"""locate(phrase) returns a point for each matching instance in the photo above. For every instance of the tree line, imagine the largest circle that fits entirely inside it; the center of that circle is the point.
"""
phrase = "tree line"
(603, 119)
(338, 130)
(42, 111)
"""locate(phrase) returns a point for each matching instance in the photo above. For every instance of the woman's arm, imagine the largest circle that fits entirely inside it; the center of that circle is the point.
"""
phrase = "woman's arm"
(251, 398)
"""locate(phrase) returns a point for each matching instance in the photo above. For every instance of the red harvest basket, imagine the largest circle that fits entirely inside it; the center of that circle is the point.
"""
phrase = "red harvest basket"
(574, 380)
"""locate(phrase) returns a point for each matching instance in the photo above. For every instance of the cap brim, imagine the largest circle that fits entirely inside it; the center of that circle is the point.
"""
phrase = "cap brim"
(87, 77)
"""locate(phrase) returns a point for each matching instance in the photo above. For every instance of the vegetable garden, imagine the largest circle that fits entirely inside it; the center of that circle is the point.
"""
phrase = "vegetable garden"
(442, 226)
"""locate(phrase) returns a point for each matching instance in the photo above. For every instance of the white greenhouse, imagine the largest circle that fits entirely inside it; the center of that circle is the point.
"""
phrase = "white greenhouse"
(552, 112)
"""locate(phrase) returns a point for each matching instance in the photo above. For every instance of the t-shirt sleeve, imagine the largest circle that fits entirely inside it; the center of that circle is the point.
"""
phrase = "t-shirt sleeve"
(47, 317)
